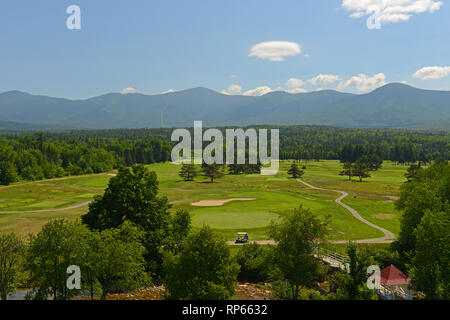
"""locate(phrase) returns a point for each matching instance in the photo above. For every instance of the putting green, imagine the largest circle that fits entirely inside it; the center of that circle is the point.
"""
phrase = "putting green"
(234, 220)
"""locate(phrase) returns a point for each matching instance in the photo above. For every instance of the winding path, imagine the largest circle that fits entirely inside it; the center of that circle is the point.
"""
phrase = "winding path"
(387, 238)
(50, 210)
(388, 235)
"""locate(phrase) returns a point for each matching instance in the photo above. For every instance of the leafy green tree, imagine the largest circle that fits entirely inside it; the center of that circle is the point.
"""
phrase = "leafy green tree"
(57, 246)
(115, 259)
(373, 161)
(294, 171)
(253, 261)
(8, 172)
(133, 195)
(360, 259)
(430, 265)
(212, 171)
(188, 172)
(299, 236)
(180, 226)
(429, 190)
(203, 270)
(412, 171)
(11, 258)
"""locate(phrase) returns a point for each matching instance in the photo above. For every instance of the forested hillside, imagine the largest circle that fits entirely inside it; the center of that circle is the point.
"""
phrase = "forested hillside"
(392, 106)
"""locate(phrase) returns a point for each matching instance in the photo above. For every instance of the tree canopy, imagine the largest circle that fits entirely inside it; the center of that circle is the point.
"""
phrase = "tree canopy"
(133, 196)
(203, 270)
(299, 237)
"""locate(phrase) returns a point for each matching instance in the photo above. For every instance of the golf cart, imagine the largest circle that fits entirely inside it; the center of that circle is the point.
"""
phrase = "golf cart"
(242, 237)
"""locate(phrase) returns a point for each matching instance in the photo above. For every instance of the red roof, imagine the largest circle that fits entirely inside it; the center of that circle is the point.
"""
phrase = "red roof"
(392, 276)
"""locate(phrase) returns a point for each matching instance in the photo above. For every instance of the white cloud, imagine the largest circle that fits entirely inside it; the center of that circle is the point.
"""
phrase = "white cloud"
(297, 90)
(322, 79)
(275, 50)
(293, 83)
(293, 86)
(363, 82)
(428, 73)
(128, 90)
(233, 89)
(259, 91)
(307, 55)
(390, 11)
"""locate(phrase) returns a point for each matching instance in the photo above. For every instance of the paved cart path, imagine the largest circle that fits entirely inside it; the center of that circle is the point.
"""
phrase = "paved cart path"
(50, 210)
(388, 235)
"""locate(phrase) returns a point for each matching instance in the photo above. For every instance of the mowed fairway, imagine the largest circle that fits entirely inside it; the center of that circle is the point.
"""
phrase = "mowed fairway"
(25, 207)
(275, 196)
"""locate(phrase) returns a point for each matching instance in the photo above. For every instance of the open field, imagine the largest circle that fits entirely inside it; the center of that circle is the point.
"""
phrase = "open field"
(26, 207)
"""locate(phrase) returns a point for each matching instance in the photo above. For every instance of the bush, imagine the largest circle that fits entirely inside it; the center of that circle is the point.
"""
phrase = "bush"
(253, 260)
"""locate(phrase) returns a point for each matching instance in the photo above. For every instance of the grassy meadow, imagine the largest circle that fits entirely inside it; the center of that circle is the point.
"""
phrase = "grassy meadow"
(25, 207)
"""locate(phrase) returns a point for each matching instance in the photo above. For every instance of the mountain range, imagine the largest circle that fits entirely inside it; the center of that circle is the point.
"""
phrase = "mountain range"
(391, 106)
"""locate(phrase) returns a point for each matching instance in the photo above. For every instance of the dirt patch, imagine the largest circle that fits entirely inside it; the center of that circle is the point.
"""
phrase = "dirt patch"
(112, 174)
(393, 198)
(218, 203)
(244, 291)
(384, 216)
(251, 291)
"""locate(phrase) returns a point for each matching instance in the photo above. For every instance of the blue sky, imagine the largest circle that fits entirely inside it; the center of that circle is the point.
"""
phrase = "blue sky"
(155, 46)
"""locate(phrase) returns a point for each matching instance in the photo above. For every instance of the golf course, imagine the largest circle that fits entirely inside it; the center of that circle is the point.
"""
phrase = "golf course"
(231, 204)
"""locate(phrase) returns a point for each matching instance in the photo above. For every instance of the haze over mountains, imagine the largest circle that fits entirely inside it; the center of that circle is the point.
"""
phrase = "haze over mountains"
(392, 106)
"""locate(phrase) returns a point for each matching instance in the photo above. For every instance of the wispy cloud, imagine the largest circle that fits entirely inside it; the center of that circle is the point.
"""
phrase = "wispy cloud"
(390, 11)
(233, 89)
(128, 90)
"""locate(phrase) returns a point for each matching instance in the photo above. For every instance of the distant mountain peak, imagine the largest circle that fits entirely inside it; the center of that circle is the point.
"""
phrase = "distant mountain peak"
(393, 105)
(199, 90)
(15, 93)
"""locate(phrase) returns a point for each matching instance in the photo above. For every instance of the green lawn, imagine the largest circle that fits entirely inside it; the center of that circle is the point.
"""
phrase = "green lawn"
(275, 196)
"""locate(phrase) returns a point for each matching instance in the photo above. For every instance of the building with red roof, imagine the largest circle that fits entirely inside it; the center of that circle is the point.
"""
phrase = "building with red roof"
(393, 284)
(391, 276)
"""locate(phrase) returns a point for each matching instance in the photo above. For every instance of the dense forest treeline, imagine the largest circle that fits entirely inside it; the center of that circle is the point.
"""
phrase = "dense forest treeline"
(401, 146)
(42, 156)
(35, 156)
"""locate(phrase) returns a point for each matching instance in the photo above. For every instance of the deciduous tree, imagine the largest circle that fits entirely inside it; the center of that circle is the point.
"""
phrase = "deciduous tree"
(57, 246)
(430, 265)
(133, 195)
(203, 270)
(11, 259)
(299, 236)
